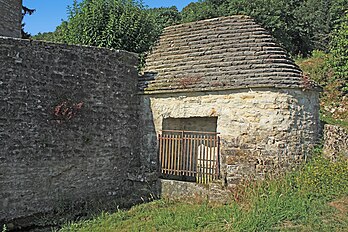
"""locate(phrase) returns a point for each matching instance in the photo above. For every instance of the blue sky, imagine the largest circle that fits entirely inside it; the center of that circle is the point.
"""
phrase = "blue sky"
(49, 14)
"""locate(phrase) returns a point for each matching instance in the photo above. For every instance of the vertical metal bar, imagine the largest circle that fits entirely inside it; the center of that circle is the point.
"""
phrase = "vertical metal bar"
(214, 157)
(218, 157)
(183, 156)
(194, 162)
(174, 154)
(211, 162)
(209, 158)
(205, 159)
(182, 150)
(177, 153)
(167, 154)
(187, 154)
(201, 159)
(164, 152)
(179, 166)
(160, 152)
(171, 154)
(198, 159)
(190, 157)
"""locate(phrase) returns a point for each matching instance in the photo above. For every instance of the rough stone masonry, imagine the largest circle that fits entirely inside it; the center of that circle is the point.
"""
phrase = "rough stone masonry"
(68, 131)
(231, 70)
(76, 133)
(10, 18)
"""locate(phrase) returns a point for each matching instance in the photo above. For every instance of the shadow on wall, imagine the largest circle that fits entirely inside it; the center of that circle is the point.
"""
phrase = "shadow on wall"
(148, 146)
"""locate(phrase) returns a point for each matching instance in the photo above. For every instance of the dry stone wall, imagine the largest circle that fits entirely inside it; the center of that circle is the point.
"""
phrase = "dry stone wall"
(262, 130)
(10, 18)
(68, 131)
(335, 141)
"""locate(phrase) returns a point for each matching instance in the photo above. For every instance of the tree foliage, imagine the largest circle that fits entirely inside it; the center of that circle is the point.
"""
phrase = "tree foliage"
(120, 24)
(201, 10)
(301, 26)
(25, 11)
(339, 51)
(166, 16)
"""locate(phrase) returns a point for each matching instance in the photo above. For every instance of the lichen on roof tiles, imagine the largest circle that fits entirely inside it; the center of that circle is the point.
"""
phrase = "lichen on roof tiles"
(220, 53)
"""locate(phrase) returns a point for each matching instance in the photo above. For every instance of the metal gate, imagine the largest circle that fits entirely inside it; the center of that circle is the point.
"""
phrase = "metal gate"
(190, 154)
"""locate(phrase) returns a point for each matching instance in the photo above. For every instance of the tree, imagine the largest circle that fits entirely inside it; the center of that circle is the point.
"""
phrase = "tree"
(339, 51)
(279, 17)
(301, 26)
(120, 24)
(25, 11)
(166, 16)
(201, 10)
(320, 18)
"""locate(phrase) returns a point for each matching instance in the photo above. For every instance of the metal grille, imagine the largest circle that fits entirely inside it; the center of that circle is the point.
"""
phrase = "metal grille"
(190, 154)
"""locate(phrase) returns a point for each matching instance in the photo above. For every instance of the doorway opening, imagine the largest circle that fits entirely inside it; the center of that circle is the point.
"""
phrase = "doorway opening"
(189, 149)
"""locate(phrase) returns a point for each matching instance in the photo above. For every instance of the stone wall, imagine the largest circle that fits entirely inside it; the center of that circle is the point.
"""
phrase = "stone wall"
(10, 18)
(68, 131)
(190, 124)
(262, 130)
(335, 141)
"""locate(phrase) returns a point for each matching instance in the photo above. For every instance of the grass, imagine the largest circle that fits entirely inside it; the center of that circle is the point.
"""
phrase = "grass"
(313, 198)
(327, 118)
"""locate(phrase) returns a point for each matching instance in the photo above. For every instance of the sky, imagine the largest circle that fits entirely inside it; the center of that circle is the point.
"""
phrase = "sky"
(50, 13)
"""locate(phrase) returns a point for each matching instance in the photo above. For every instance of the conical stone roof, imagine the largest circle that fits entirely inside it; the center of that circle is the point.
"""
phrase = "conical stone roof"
(216, 54)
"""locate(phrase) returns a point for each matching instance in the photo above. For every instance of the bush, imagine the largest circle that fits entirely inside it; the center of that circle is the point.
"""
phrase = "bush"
(317, 67)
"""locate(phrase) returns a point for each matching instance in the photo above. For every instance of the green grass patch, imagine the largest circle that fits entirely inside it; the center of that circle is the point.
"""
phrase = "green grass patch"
(327, 118)
(313, 198)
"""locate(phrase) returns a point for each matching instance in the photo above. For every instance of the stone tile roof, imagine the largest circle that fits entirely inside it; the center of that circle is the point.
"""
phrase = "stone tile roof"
(215, 54)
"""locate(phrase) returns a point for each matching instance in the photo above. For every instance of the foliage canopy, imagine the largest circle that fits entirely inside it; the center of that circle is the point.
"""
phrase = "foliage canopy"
(301, 26)
(119, 24)
(339, 51)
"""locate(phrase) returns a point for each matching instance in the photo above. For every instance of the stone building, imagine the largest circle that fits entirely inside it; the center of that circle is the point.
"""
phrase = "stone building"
(10, 18)
(227, 75)
(80, 132)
